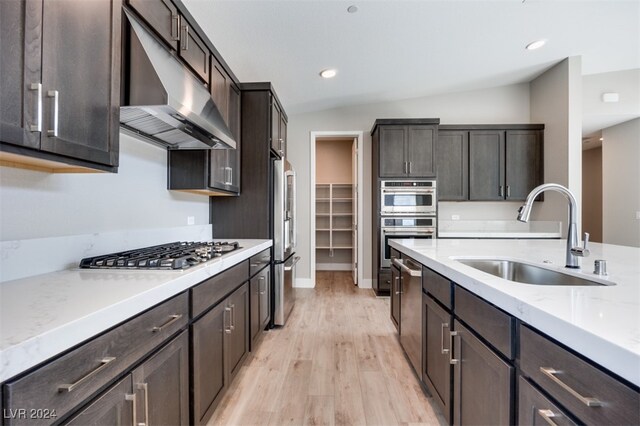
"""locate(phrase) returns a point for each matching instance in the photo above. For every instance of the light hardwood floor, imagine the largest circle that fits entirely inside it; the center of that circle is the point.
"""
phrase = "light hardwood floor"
(336, 362)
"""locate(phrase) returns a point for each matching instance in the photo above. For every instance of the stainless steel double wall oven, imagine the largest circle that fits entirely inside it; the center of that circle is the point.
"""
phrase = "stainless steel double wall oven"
(407, 210)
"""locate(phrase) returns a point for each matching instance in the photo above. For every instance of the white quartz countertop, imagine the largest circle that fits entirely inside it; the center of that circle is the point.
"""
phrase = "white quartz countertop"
(600, 322)
(44, 315)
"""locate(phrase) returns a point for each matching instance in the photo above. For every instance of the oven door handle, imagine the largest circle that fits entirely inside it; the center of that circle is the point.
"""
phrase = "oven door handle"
(295, 260)
(410, 191)
(408, 233)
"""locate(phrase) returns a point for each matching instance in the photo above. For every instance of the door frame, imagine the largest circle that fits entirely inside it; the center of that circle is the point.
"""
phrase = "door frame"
(357, 134)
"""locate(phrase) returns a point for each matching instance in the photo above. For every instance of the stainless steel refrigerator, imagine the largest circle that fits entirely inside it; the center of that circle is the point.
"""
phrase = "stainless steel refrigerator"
(284, 239)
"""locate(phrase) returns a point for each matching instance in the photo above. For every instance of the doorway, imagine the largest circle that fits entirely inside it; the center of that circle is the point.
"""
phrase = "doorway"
(592, 187)
(336, 203)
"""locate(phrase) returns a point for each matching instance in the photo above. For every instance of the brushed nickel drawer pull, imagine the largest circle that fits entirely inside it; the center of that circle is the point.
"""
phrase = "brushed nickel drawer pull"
(224, 323)
(145, 388)
(53, 94)
(586, 400)
(232, 315)
(547, 416)
(172, 319)
(261, 280)
(452, 360)
(71, 386)
(185, 45)
(37, 127)
(442, 349)
(175, 25)
(132, 397)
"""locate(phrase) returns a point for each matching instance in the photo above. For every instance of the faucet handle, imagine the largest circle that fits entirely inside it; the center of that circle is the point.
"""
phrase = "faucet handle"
(584, 250)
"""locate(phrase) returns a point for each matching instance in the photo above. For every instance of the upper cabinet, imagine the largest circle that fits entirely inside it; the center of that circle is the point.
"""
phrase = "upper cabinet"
(278, 129)
(489, 162)
(193, 51)
(52, 116)
(162, 16)
(406, 147)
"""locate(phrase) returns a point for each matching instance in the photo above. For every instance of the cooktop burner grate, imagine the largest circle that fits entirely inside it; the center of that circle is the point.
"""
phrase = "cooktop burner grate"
(177, 255)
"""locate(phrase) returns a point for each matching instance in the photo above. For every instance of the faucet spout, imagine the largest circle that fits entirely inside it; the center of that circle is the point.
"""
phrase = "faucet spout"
(572, 233)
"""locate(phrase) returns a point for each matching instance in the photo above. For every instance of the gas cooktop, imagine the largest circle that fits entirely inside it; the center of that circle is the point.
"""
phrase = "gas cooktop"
(178, 255)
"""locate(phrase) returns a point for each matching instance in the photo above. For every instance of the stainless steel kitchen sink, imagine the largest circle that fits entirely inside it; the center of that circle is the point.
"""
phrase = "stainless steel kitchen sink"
(526, 273)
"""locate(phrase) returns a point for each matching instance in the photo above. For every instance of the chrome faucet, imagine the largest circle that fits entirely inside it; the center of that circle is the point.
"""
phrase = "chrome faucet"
(573, 250)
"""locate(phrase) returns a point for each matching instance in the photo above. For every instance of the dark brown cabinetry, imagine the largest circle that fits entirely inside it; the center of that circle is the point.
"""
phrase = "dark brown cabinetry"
(278, 130)
(162, 16)
(220, 343)
(260, 304)
(161, 385)
(536, 409)
(194, 51)
(489, 162)
(436, 368)
(114, 407)
(396, 291)
(406, 150)
(61, 115)
(482, 383)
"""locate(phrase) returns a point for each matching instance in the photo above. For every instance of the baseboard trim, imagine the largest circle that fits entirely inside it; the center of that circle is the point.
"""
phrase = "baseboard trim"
(366, 283)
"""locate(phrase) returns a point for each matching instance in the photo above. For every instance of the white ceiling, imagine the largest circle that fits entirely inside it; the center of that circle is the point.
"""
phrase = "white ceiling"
(398, 49)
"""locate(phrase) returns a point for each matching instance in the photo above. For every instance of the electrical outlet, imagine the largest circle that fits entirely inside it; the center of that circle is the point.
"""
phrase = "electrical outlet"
(191, 220)
(455, 217)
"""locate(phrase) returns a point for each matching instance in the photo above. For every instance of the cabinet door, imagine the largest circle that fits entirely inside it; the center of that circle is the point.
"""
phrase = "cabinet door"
(81, 79)
(233, 155)
(523, 150)
(20, 88)
(276, 140)
(452, 165)
(436, 372)
(395, 297)
(283, 134)
(483, 383)
(486, 165)
(535, 409)
(419, 151)
(161, 385)
(220, 85)
(237, 342)
(194, 52)
(208, 378)
(254, 302)
(162, 16)
(264, 286)
(113, 407)
(392, 157)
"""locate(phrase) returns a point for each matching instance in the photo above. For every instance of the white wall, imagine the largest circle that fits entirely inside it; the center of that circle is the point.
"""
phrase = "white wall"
(621, 183)
(598, 114)
(507, 104)
(556, 101)
(38, 205)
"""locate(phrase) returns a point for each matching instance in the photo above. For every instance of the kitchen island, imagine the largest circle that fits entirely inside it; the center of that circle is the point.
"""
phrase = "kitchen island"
(510, 335)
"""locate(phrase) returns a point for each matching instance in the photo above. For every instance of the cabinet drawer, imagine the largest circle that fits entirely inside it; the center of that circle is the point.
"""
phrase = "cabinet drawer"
(259, 261)
(495, 326)
(575, 383)
(213, 290)
(384, 280)
(534, 408)
(437, 286)
(66, 382)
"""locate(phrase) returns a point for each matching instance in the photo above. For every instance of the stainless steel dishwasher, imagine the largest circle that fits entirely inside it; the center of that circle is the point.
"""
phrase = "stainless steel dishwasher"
(411, 310)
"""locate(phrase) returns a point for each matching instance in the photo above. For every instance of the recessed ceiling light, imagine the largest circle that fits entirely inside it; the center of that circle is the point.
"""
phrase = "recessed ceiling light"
(536, 44)
(352, 9)
(328, 73)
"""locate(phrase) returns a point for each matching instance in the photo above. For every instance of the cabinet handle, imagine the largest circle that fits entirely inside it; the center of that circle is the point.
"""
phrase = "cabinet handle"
(144, 387)
(54, 116)
(132, 397)
(172, 319)
(508, 191)
(547, 415)
(71, 386)
(281, 143)
(396, 280)
(452, 360)
(409, 167)
(501, 191)
(232, 317)
(442, 349)
(261, 280)
(185, 45)
(37, 126)
(228, 176)
(586, 400)
(175, 25)
(224, 318)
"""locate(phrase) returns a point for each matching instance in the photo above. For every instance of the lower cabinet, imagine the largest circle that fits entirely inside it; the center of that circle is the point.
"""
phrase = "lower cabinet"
(482, 382)
(395, 296)
(220, 343)
(536, 409)
(260, 304)
(115, 407)
(436, 353)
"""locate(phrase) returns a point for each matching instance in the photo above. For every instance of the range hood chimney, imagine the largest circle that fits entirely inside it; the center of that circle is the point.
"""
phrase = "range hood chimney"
(166, 102)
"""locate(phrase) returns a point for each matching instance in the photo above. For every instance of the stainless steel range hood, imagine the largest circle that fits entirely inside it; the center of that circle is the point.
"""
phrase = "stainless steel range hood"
(166, 102)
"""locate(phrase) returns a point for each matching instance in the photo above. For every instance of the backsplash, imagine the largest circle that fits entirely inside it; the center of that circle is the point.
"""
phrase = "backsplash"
(25, 258)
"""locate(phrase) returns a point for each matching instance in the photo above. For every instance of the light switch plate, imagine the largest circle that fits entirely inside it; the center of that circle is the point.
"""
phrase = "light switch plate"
(191, 220)
(455, 217)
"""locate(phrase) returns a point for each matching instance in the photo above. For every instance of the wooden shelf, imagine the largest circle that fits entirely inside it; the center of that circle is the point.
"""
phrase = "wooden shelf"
(330, 196)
